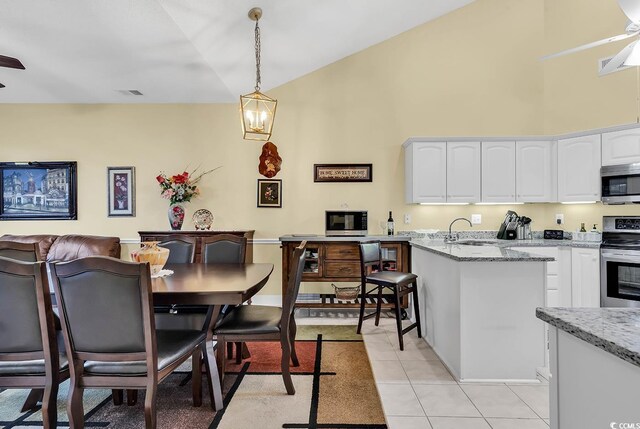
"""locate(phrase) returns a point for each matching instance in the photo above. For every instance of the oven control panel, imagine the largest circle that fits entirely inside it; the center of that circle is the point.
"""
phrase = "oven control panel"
(627, 224)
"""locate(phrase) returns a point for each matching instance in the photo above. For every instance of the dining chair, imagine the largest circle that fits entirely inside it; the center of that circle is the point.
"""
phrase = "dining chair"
(29, 353)
(106, 307)
(26, 252)
(399, 283)
(248, 323)
(182, 249)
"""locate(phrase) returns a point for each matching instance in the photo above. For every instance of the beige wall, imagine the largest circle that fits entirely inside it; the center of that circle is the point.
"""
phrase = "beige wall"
(472, 72)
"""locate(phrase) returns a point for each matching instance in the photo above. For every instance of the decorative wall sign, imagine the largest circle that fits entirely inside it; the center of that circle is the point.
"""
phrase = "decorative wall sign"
(270, 193)
(38, 190)
(270, 161)
(121, 191)
(342, 172)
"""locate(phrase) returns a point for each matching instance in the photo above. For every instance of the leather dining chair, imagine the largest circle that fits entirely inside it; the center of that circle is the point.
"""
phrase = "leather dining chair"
(249, 323)
(29, 353)
(26, 252)
(106, 307)
(182, 249)
(399, 283)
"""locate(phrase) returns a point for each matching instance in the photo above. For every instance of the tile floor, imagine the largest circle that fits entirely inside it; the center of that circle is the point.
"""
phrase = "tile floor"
(417, 390)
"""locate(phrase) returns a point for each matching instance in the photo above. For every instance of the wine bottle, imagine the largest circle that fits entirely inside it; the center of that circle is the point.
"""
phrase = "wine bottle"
(390, 225)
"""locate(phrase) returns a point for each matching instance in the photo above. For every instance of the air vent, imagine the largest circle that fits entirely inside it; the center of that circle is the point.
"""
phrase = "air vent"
(602, 62)
(129, 92)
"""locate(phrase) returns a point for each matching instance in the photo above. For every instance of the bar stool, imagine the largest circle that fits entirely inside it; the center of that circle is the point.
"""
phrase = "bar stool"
(399, 283)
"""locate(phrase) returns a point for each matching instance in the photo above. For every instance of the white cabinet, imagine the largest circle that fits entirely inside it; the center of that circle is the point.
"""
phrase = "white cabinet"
(579, 169)
(536, 171)
(463, 172)
(558, 293)
(621, 147)
(426, 172)
(585, 277)
(499, 172)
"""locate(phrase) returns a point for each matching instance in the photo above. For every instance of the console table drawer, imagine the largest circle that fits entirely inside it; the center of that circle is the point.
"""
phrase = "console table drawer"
(342, 269)
(342, 251)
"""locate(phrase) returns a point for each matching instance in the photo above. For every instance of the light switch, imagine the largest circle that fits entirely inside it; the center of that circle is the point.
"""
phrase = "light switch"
(476, 219)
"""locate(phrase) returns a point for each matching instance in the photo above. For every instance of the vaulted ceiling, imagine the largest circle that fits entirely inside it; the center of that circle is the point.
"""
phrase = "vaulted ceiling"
(185, 51)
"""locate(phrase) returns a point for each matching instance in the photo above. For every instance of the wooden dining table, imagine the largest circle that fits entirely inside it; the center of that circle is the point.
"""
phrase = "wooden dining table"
(215, 285)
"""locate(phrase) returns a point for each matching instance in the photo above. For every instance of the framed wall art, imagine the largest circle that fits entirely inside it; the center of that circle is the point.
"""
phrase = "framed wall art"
(39, 190)
(121, 191)
(342, 172)
(270, 193)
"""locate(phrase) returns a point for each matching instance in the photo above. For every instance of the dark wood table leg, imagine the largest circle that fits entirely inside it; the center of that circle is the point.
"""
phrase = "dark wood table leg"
(215, 384)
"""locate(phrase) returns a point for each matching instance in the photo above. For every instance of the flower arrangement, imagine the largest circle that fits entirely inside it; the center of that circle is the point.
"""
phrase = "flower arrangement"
(181, 188)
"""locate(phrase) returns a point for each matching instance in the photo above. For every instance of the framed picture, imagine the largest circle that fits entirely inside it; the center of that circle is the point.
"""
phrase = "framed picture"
(121, 191)
(270, 193)
(38, 190)
(342, 172)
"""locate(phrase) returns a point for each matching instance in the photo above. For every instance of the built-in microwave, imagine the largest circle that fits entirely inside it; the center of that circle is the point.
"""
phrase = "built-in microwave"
(621, 184)
(346, 223)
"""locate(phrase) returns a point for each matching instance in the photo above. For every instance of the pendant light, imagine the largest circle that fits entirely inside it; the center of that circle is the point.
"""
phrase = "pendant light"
(257, 110)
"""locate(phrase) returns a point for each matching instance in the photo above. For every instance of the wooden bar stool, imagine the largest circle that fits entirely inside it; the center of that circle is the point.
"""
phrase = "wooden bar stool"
(399, 283)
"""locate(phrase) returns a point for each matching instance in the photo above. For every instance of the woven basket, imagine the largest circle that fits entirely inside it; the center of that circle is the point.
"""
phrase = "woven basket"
(346, 293)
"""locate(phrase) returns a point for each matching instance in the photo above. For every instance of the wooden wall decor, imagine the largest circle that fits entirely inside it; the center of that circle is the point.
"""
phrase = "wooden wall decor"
(270, 161)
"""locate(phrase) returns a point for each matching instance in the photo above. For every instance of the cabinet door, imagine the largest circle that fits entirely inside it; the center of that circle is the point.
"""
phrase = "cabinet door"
(498, 172)
(426, 172)
(463, 172)
(535, 171)
(585, 277)
(621, 147)
(579, 169)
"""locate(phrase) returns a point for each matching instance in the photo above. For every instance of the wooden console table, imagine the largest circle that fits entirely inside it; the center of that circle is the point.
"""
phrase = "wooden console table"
(163, 235)
(337, 259)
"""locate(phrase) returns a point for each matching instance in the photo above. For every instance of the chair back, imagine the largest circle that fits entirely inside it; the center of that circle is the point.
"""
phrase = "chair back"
(224, 249)
(182, 250)
(27, 327)
(25, 252)
(295, 278)
(370, 255)
(106, 309)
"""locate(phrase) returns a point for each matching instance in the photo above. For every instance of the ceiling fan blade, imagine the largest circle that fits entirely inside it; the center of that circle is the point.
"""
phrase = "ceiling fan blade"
(1, 86)
(631, 8)
(12, 63)
(590, 45)
(618, 59)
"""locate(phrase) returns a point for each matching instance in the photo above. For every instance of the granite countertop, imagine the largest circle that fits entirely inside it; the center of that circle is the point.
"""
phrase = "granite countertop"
(466, 253)
(324, 238)
(541, 242)
(615, 330)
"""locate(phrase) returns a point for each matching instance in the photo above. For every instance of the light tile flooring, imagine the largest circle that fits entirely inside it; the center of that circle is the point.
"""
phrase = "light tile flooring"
(417, 390)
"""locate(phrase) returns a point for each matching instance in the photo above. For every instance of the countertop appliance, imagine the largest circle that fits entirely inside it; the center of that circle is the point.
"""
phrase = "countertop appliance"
(620, 262)
(621, 184)
(351, 223)
(508, 229)
(553, 234)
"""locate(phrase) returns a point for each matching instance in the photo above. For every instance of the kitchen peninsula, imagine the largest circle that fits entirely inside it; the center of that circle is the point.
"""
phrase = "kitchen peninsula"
(478, 303)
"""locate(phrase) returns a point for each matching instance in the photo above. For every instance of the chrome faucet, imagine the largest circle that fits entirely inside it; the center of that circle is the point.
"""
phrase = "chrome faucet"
(452, 238)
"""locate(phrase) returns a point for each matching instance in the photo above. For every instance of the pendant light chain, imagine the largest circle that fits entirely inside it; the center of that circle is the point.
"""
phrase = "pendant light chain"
(257, 31)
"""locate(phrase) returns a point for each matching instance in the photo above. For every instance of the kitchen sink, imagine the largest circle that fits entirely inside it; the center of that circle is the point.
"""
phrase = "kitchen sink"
(477, 242)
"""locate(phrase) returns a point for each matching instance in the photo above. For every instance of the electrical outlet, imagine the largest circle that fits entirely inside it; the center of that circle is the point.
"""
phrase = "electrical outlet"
(407, 218)
(560, 219)
(476, 219)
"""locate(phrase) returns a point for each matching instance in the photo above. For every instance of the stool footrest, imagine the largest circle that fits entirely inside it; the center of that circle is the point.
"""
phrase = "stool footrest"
(408, 328)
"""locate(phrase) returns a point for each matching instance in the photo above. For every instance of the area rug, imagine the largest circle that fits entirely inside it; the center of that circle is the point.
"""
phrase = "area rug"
(334, 389)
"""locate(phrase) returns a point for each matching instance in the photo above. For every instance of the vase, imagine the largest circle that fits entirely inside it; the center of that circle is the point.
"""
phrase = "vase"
(176, 216)
(155, 255)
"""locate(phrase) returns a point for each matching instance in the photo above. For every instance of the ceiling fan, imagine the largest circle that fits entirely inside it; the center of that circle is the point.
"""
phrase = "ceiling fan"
(12, 63)
(630, 55)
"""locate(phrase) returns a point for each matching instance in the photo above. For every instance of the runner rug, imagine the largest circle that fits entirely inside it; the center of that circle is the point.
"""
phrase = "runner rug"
(334, 389)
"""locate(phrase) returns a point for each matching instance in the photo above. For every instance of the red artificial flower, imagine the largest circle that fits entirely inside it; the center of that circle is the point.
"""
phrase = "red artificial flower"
(160, 179)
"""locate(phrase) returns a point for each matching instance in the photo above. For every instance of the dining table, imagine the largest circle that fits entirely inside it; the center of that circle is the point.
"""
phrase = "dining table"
(214, 285)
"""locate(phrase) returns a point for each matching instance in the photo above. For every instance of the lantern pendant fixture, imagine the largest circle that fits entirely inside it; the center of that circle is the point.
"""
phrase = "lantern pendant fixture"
(257, 110)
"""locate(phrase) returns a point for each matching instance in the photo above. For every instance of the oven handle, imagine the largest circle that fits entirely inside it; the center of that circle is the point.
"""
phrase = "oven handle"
(622, 257)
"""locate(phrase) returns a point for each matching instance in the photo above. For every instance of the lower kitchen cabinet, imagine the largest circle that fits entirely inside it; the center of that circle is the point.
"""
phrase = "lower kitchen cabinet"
(585, 277)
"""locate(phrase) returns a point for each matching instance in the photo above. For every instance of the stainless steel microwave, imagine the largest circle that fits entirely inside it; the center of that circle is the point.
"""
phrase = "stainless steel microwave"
(346, 223)
(621, 184)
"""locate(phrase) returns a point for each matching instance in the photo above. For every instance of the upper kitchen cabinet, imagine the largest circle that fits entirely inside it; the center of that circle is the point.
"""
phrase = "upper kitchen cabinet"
(621, 147)
(536, 171)
(579, 169)
(499, 172)
(463, 172)
(425, 166)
